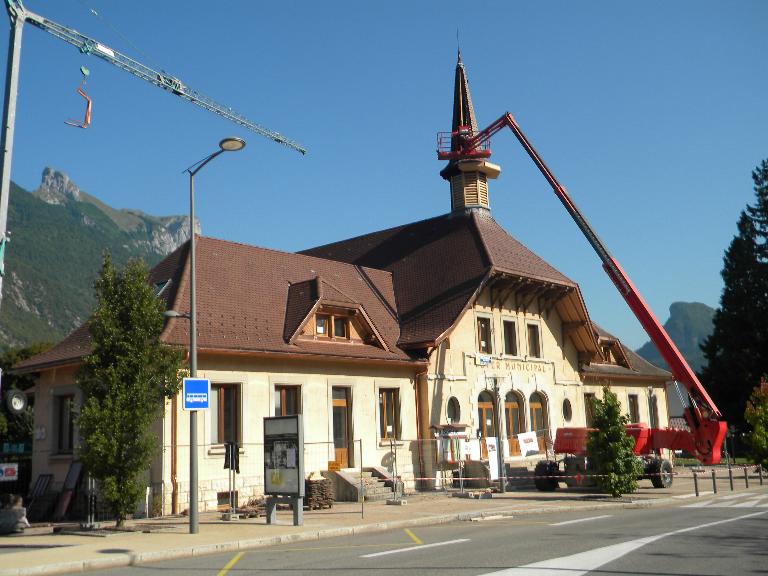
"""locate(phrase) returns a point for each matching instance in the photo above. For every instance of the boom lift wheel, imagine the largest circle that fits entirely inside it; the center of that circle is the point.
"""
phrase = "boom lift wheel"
(546, 473)
(661, 473)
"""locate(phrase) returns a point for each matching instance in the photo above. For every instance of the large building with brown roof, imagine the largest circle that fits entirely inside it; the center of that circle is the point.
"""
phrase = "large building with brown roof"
(426, 341)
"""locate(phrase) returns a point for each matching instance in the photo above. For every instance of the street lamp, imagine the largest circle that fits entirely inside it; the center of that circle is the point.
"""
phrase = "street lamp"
(226, 145)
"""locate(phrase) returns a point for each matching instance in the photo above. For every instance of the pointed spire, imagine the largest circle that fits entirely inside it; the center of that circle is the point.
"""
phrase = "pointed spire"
(463, 112)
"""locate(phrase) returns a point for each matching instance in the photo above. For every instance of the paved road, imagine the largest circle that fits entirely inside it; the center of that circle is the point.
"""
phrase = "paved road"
(714, 535)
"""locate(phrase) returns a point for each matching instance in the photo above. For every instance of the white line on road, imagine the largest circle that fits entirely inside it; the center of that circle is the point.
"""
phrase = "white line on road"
(749, 503)
(579, 564)
(412, 548)
(581, 520)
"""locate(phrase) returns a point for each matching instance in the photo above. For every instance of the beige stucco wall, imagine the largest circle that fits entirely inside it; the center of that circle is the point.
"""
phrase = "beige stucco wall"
(256, 380)
(457, 369)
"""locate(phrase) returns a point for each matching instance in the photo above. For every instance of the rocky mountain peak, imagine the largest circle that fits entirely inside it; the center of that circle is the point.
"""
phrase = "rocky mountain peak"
(56, 187)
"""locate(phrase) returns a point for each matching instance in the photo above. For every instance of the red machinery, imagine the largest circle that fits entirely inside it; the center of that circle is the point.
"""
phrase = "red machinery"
(706, 431)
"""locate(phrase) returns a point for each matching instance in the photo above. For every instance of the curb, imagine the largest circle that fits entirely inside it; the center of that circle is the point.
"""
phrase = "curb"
(124, 559)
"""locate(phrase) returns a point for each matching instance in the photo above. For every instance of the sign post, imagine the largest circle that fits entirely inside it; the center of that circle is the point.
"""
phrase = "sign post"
(284, 465)
(196, 395)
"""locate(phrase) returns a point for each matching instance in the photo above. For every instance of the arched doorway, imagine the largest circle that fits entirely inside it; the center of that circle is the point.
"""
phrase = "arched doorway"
(539, 418)
(486, 416)
(513, 416)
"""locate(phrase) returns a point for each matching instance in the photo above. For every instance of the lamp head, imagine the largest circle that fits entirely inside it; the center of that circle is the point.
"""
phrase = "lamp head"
(174, 314)
(232, 144)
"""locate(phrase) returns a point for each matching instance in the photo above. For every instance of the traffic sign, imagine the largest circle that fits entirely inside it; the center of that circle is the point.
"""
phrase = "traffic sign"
(196, 393)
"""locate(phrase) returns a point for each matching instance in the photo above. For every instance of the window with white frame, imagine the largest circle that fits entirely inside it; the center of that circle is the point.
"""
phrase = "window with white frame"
(225, 413)
(534, 341)
(484, 335)
(389, 413)
(65, 423)
(510, 338)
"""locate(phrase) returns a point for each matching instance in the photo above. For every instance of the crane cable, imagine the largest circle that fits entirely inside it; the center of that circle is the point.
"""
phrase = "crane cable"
(117, 31)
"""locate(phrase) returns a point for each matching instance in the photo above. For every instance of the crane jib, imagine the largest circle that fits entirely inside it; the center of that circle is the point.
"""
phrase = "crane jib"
(91, 46)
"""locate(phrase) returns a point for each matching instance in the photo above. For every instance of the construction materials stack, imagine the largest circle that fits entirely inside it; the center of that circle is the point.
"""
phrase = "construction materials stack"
(318, 492)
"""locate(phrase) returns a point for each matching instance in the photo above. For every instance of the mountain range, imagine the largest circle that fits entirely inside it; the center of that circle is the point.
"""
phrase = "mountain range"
(688, 325)
(58, 234)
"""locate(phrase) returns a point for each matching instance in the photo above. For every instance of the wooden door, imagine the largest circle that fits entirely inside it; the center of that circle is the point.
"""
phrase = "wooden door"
(487, 420)
(512, 415)
(539, 419)
(341, 425)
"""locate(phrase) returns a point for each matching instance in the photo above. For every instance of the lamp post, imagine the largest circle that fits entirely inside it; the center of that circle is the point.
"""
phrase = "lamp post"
(226, 145)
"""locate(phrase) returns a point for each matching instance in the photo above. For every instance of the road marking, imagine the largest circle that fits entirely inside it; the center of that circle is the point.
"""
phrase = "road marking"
(231, 563)
(728, 502)
(413, 537)
(749, 503)
(693, 495)
(412, 548)
(584, 562)
(581, 520)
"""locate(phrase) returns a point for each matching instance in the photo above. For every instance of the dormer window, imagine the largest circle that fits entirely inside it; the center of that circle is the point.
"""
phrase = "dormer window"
(322, 325)
(340, 327)
(332, 325)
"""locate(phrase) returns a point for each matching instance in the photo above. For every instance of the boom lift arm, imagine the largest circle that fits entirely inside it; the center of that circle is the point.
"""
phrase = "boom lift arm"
(707, 431)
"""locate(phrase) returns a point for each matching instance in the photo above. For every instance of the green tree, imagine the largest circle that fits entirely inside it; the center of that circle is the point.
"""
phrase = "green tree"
(737, 350)
(17, 428)
(756, 416)
(124, 380)
(609, 447)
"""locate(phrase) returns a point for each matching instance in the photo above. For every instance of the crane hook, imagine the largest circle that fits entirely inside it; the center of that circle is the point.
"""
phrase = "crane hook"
(88, 103)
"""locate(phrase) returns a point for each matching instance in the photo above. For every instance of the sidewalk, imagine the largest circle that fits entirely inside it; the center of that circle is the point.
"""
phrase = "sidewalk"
(168, 538)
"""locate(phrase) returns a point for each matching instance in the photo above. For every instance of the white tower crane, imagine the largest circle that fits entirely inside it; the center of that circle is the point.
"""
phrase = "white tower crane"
(18, 15)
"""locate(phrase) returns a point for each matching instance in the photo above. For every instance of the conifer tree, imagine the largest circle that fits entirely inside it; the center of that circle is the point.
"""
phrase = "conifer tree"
(737, 350)
(124, 380)
(610, 448)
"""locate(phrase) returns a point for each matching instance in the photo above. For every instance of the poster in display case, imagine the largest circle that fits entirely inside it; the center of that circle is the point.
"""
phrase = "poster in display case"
(284, 456)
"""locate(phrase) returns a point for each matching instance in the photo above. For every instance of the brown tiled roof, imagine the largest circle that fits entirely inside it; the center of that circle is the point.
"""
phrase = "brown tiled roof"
(243, 296)
(438, 265)
(243, 303)
(638, 366)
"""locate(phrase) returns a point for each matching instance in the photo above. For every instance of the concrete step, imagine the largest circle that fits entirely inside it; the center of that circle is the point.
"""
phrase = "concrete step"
(520, 477)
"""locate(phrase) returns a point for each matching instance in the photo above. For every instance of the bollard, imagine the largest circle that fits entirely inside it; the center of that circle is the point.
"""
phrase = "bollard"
(730, 477)
(696, 483)
(714, 481)
(760, 473)
(746, 477)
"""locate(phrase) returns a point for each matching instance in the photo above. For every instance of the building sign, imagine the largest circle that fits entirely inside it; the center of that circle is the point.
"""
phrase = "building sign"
(9, 472)
(284, 456)
(529, 444)
(509, 365)
(196, 393)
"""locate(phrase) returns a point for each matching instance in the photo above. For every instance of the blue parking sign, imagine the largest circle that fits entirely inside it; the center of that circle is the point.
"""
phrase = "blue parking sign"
(196, 393)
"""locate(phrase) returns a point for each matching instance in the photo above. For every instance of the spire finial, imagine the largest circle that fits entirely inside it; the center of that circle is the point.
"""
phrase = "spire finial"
(458, 49)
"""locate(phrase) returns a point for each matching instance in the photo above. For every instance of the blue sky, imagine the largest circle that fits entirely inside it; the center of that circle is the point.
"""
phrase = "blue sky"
(652, 114)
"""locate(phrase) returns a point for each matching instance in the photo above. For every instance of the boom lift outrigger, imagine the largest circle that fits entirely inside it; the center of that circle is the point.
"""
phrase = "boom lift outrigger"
(706, 431)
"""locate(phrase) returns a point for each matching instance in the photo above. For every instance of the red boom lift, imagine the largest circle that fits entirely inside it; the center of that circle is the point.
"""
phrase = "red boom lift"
(706, 431)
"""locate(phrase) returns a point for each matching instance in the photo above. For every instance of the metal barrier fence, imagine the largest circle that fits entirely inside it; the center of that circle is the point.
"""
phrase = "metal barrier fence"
(408, 465)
